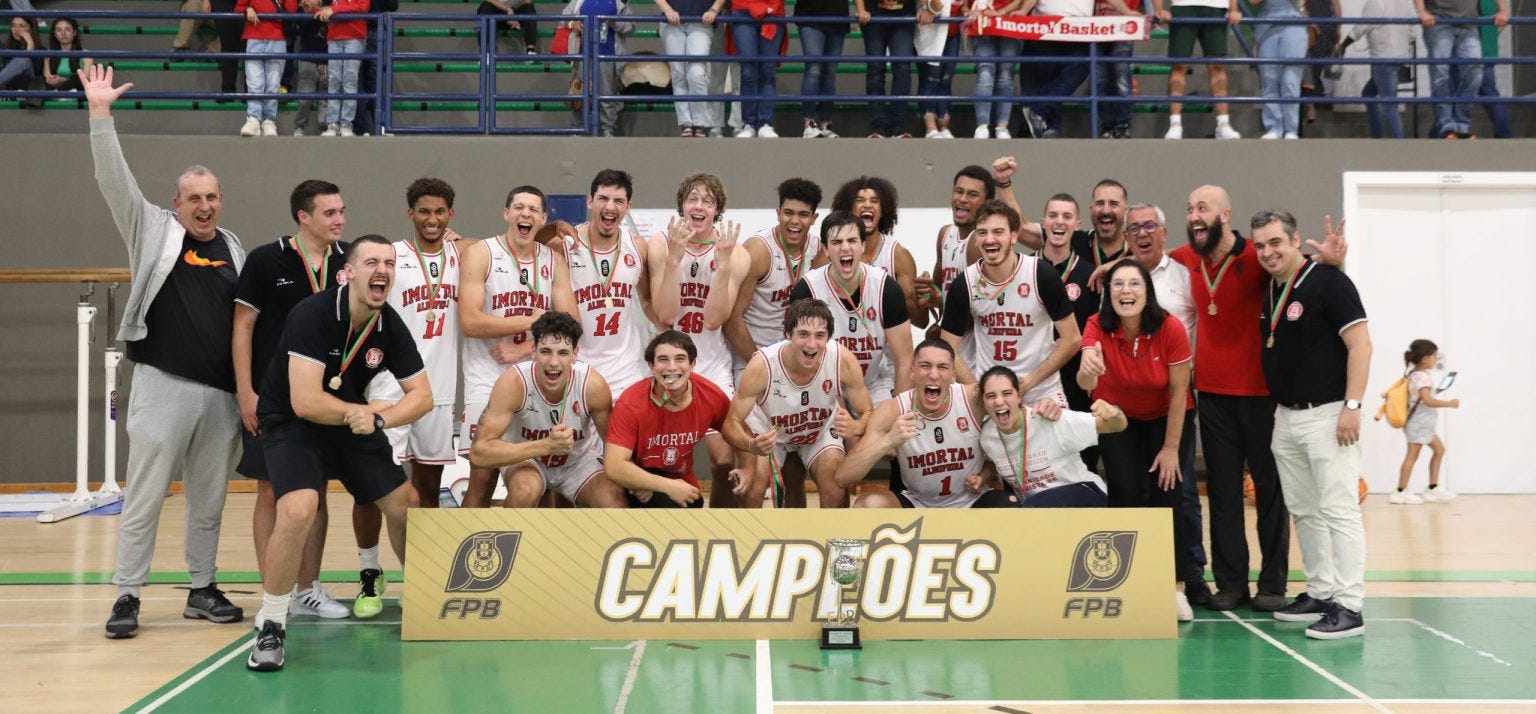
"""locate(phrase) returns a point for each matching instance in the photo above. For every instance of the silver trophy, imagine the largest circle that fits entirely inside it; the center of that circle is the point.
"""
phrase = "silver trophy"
(845, 565)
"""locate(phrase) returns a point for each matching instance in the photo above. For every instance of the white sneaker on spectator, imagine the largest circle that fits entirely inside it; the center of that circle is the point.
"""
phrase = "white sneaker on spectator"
(1175, 131)
(767, 132)
(1439, 494)
(1001, 133)
(945, 134)
(982, 132)
(1405, 498)
(316, 601)
(268, 128)
(330, 130)
(1225, 131)
(297, 131)
(933, 135)
(827, 133)
(811, 132)
(1270, 135)
(716, 132)
(746, 132)
(1292, 135)
(252, 127)
(344, 130)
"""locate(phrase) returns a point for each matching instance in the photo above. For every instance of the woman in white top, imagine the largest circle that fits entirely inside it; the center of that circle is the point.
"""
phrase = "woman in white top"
(1043, 442)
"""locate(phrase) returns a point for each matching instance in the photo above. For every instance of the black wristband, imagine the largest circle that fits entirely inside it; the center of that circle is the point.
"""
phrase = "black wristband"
(378, 422)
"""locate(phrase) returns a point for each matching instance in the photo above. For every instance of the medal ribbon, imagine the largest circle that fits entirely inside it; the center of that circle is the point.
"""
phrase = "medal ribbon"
(1099, 259)
(1071, 264)
(1211, 285)
(846, 296)
(348, 354)
(507, 244)
(796, 269)
(612, 270)
(980, 277)
(1019, 468)
(315, 286)
(779, 492)
(426, 275)
(1274, 310)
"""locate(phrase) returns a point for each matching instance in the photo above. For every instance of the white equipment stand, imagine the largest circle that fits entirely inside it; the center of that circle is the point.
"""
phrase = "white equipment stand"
(83, 500)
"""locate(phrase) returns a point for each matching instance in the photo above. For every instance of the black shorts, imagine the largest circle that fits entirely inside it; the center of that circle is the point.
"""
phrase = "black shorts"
(299, 454)
(253, 460)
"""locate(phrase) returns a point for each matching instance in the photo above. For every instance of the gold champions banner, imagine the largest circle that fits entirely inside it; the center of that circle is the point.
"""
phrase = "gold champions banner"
(963, 574)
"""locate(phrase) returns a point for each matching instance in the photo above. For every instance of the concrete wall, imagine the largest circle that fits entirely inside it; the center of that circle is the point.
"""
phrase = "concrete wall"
(55, 217)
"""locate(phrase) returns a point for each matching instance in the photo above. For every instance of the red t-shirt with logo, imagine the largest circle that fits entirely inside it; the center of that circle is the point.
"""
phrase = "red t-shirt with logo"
(660, 440)
(1228, 361)
(1136, 370)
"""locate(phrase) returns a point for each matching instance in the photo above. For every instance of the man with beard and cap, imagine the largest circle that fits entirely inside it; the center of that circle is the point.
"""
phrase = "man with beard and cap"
(778, 257)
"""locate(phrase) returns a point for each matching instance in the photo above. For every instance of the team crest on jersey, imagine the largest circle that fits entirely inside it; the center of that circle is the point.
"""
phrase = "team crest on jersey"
(938, 435)
(869, 313)
(963, 424)
(629, 261)
(341, 277)
(451, 261)
(1024, 290)
(544, 272)
(1293, 313)
(669, 456)
(576, 408)
(374, 358)
(1073, 291)
(826, 386)
(805, 399)
(712, 264)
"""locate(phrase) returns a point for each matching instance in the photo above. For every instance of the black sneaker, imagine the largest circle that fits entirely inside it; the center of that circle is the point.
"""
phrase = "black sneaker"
(124, 622)
(1228, 600)
(1304, 608)
(267, 655)
(1198, 593)
(1337, 623)
(210, 604)
(1268, 602)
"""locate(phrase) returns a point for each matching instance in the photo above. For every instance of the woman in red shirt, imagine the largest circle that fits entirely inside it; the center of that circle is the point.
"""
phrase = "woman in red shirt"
(1137, 356)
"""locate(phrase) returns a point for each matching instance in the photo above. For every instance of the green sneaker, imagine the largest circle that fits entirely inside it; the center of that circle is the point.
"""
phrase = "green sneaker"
(370, 596)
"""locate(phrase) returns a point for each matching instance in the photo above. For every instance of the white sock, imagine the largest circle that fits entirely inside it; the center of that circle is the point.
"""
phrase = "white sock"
(1175, 120)
(1221, 120)
(274, 608)
(369, 558)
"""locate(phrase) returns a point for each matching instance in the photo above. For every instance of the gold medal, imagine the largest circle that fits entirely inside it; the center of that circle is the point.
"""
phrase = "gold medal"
(1211, 309)
(335, 382)
(1270, 343)
(602, 303)
(431, 316)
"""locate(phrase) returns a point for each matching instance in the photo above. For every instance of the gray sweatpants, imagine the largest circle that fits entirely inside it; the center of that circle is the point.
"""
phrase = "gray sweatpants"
(177, 429)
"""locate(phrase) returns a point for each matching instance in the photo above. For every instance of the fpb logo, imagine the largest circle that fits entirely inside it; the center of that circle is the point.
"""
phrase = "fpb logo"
(1102, 561)
(483, 562)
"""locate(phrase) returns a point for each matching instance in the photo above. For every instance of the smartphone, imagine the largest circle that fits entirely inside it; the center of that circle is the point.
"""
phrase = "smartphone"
(1446, 381)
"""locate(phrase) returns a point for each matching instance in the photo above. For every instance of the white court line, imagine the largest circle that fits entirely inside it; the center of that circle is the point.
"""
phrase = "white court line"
(1346, 686)
(194, 679)
(1446, 636)
(629, 679)
(763, 663)
(974, 703)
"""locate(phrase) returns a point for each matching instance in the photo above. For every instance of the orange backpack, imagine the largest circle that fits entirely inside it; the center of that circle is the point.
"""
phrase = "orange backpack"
(1395, 407)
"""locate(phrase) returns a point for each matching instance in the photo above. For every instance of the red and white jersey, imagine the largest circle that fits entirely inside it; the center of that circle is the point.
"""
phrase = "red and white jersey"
(947, 449)
(1012, 326)
(513, 288)
(694, 276)
(860, 329)
(885, 254)
(951, 256)
(800, 411)
(765, 313)
(427, 286)
(613, 323)
(539, 415)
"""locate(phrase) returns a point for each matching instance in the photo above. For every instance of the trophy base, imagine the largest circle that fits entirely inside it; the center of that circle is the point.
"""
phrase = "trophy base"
(840, 638)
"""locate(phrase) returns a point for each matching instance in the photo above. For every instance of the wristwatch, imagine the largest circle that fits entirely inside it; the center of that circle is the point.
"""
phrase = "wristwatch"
(1351, 404)
(378, 420)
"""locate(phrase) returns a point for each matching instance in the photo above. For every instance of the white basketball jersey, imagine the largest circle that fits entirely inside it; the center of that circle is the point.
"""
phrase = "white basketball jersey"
(1011, 326)
(513, 288)
(800, 411)
(416, 300)
(947, 449)
(607, 288)
(765, 313)
(885, 254)
(694, 276)
(859, 329)
(539, 415)
(951, 256)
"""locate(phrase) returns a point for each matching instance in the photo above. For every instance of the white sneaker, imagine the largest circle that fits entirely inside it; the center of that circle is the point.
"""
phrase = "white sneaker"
(767, 132)
(1405, 498)
(298, 131)
(1270, 135)
(316, 601)
(811, 132)
(1001, 133)
(1225, 131)
(269, 128)
(1439, 494)
(933, 135)
(1292, 135)
(982, 132)
(345, 130)
(827, 133)
(252, 127)
(1175, 131)
(746, 132)
(1181, 607)
(330, 130)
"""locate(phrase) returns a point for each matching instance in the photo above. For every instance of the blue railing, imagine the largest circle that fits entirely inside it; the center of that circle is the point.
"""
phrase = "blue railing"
(589, 61)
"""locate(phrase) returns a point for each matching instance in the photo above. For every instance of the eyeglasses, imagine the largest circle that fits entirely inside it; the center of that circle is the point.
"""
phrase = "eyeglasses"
(1126, 284)
(1135, 228)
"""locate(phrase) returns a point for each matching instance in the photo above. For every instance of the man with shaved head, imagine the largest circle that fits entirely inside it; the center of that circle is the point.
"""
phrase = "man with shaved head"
(183, 418)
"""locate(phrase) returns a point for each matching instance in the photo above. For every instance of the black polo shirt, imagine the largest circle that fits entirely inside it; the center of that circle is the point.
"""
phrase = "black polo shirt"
(1085, 302)
(1086, 244)
(317, 330)
(271, 283)
(1309, 362)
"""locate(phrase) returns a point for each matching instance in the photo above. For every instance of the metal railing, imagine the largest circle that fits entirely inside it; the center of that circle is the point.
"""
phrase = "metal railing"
(589, 62)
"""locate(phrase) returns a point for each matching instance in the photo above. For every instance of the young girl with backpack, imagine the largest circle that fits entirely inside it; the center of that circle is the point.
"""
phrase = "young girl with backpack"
(1423, 413)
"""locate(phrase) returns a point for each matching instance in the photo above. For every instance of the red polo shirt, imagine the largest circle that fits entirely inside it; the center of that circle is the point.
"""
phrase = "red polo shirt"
(1136, 370)
(661, 441)
(1228, 360)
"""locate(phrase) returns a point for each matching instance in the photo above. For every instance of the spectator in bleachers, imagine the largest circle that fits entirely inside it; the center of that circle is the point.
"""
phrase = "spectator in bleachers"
(1383, 41)
(897, 39)
(307, 36)
(994, 79)
(1322, 42)
(263, 76)
(820, 39)
(936, 79)
(528, 28)
(1055, 78)
(59, 72)
(189, 27)
(1498, 114)
(1213, 44)
(692, 38)
(230, 32)
(1115, 79)
(18, 72)
(610, 41)
(1453, 120)
(367, 71)
(1280, 81)
(342, 36)
(753, 40)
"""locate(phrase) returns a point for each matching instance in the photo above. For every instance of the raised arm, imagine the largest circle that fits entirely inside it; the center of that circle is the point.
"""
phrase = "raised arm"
(887, 430)
(113, 176)
(492, 449)
(723, 285)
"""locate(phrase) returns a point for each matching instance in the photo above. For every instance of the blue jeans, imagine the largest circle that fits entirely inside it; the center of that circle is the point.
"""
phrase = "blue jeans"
(16, 71)
(688, 38)
(1454, 81)
(1383, 118)
(1057, 79)
(264, 76)
(1115, 81)
(939, 79)
(995, 79)
(1280, 81)
(341, 78)
(887, 117)
(1497, 113)
(820, 79)
(758, 79)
